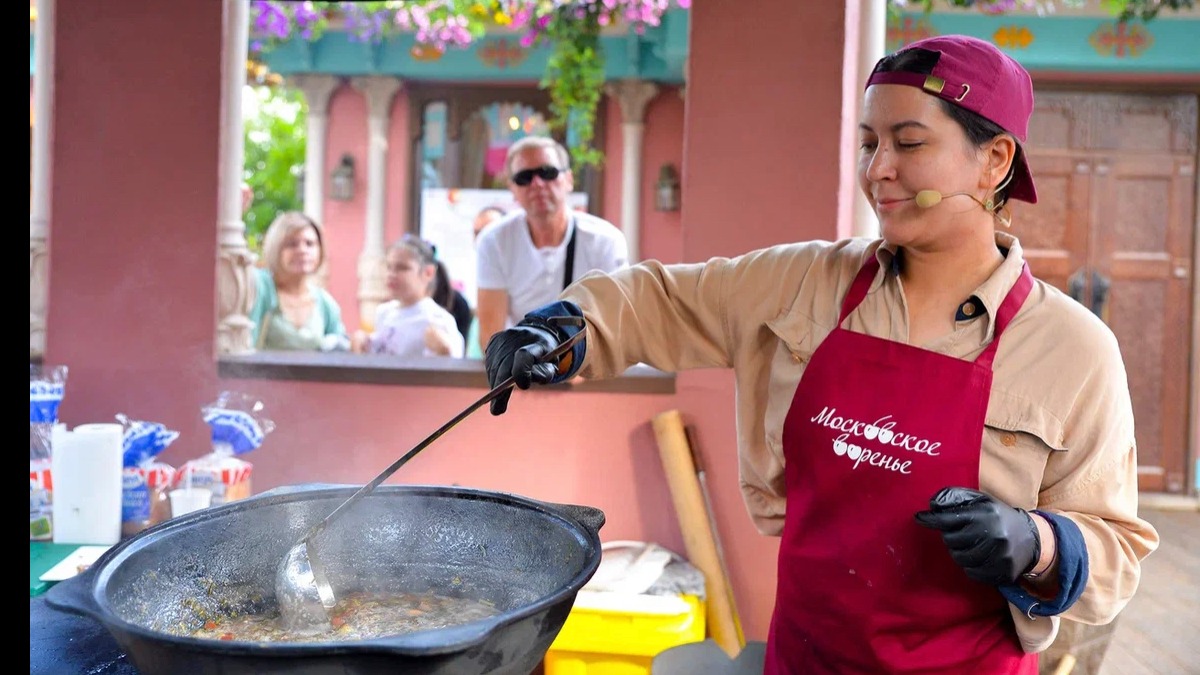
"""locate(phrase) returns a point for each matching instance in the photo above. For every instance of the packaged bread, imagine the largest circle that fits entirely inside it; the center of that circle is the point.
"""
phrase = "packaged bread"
(238, 427)
(145, 482)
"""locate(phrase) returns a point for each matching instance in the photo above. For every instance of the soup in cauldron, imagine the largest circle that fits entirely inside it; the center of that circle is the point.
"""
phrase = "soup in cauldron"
(356, 616)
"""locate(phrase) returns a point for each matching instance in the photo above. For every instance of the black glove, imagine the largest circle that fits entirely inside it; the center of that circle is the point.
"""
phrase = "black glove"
(518, 352)
(994, 542)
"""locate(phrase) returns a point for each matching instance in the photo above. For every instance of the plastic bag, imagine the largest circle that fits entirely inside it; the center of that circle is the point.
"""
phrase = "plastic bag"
(47, 385)
(145, 482)
(238, 426)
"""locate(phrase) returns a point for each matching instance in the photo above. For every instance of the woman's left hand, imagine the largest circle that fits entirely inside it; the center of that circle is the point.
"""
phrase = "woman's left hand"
(994, 542)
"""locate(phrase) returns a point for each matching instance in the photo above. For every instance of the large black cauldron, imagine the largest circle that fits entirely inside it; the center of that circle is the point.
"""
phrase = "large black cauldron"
(526, 557)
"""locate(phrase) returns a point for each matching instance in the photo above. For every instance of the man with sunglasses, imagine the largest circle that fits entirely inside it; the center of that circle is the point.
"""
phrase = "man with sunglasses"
(525, 260)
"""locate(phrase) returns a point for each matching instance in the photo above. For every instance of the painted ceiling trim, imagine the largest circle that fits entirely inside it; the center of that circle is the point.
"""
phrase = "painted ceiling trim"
(1068, 43)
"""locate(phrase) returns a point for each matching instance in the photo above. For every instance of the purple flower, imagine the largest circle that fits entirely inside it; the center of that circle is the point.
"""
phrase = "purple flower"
(998, 6)
(270, 20)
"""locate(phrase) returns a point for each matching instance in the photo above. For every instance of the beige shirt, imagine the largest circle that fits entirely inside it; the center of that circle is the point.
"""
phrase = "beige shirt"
(1059, 430)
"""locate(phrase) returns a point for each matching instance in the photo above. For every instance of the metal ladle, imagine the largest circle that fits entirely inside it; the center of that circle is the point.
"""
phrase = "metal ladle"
(302, 588)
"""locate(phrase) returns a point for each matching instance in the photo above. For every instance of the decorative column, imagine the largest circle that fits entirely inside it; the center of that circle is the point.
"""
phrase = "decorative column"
(633, 95)
(234, 258)
(39, 189)
(372, 267)
(872, 34)
(317, 90)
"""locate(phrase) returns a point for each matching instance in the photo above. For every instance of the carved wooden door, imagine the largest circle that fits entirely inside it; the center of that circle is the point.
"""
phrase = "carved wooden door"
(1114, 227)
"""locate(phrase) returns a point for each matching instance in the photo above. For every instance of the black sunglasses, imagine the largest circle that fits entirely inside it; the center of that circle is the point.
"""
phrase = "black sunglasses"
(546, 173)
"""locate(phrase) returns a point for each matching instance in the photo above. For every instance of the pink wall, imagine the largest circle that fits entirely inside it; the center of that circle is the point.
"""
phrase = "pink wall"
(761, 149)
(133, 208)
(132, 271)
(661, 234)
(662, 231)
(344, 221)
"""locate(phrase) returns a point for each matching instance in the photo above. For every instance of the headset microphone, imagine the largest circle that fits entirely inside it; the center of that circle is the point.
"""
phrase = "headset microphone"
(930, 198)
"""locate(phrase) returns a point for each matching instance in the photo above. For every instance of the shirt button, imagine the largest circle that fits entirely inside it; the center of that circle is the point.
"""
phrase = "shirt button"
(1009, 439)
(797, 358)
(968, 308)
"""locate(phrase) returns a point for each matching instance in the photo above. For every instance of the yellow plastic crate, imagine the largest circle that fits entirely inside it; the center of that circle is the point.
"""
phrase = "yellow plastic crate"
(619, 634)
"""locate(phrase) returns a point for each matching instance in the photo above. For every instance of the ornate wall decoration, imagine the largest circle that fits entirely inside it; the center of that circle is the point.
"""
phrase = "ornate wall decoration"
(1013, 37)
(426, 52)
(1121, 40)
(502, 53)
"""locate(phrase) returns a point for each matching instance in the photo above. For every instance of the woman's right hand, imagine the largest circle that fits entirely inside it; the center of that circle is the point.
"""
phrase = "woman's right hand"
(518, 352)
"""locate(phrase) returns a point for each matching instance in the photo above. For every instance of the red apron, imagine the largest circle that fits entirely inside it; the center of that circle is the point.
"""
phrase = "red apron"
(876, 428)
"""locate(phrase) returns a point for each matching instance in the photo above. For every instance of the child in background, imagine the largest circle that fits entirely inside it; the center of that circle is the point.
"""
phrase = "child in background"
(411, 323)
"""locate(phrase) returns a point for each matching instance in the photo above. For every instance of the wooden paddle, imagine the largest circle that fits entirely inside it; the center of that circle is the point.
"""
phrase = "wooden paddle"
(699, 530)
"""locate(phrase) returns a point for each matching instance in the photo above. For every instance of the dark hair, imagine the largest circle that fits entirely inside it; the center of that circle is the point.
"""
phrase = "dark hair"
(443, 292)
(979, 129)
(450, 299)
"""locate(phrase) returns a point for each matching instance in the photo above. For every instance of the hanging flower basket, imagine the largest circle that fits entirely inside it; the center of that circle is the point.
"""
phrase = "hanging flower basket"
(574, 76)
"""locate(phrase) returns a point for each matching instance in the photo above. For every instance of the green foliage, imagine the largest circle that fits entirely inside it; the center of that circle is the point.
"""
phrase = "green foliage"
(275, 124)
(574, 78)
(1145, 10)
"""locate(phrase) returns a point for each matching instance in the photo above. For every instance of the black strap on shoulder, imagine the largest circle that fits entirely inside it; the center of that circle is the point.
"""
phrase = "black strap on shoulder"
(569, 267)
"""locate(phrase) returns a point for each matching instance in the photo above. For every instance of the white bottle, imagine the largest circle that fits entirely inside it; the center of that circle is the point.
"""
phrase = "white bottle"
(86, 465)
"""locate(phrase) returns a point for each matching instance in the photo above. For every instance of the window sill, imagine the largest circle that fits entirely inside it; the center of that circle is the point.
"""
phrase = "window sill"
(421, 372)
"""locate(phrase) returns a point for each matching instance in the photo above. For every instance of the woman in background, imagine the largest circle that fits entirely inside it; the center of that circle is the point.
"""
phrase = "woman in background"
(412, 323)
(291, 311)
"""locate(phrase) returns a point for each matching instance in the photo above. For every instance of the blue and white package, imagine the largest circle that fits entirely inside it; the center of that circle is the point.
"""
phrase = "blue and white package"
(44, 399)
(47, 384)
(144, 481)
(233, 429)
(144, 440)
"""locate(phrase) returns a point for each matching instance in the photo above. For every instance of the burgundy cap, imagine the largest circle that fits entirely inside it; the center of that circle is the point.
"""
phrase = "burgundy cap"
(974, 74)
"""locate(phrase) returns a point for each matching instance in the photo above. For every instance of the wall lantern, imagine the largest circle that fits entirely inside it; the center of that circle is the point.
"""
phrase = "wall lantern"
(342, 180)
(666, 191)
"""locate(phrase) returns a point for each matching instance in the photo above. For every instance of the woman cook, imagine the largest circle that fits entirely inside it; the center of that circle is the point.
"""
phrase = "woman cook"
(1011, 499)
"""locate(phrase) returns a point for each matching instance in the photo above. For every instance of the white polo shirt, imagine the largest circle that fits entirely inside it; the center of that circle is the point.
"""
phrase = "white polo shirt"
(508, 261)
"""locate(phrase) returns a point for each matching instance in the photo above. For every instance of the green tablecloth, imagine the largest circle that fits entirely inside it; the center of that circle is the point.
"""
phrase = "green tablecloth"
(42, 556)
